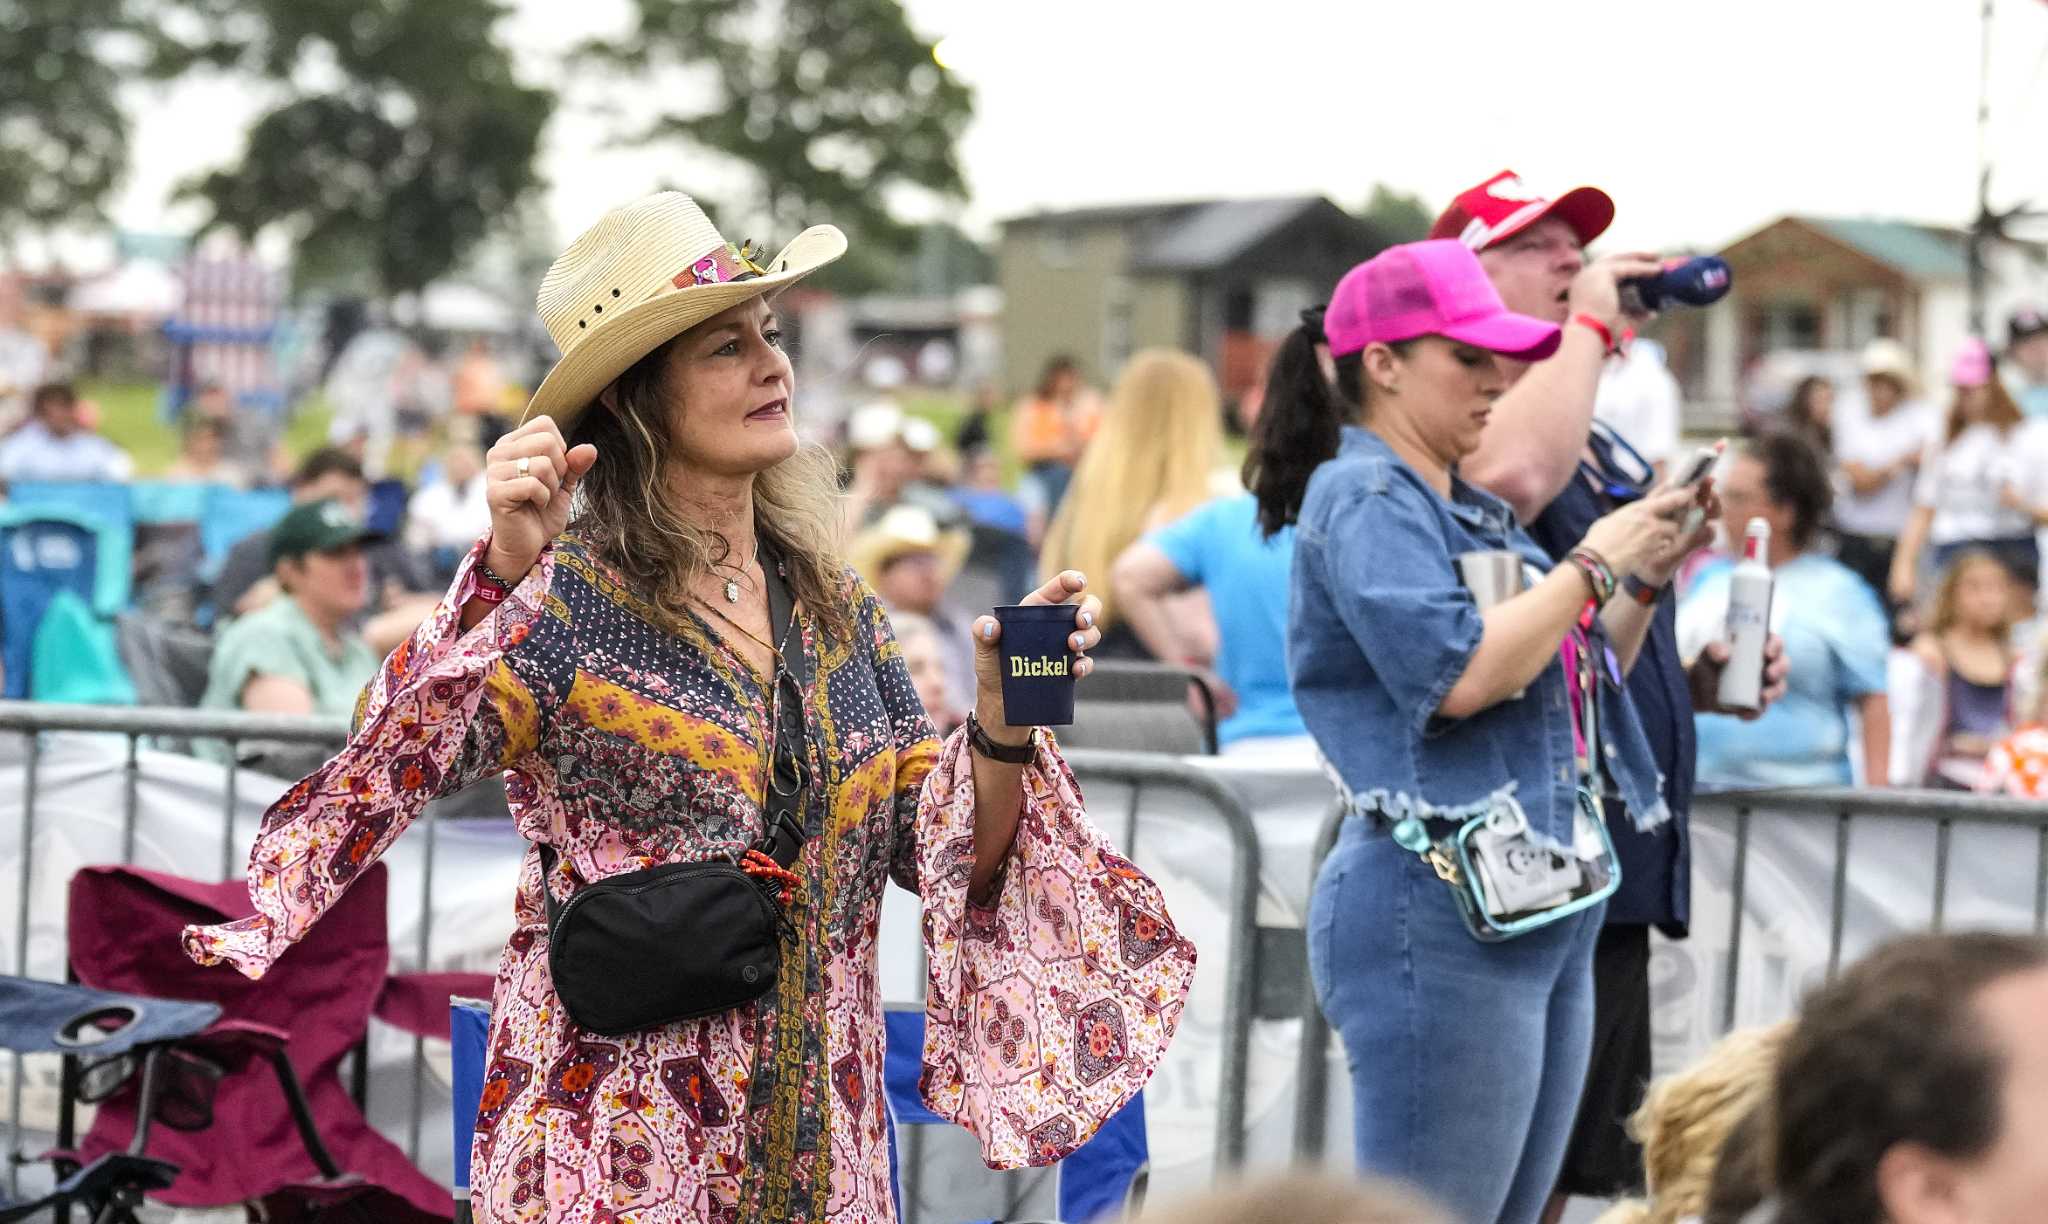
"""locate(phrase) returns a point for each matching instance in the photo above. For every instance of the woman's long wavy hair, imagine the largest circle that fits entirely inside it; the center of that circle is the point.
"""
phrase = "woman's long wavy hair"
(1160, 442)
(628, 515)
(2000, 411)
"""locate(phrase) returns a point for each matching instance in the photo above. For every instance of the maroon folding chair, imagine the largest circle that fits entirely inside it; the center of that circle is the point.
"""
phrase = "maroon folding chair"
(284, 1131)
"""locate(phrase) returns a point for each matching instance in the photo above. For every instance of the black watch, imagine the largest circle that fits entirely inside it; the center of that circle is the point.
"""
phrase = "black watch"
(978, 740)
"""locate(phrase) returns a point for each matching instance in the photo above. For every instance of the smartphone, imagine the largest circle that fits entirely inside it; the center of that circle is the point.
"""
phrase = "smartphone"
(1695, 469)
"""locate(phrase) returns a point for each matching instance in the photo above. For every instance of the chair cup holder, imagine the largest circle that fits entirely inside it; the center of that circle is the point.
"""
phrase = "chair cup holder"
(95, 1025)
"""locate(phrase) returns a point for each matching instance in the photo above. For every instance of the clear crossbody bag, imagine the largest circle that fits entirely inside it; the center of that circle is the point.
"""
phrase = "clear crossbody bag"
(1506, 884)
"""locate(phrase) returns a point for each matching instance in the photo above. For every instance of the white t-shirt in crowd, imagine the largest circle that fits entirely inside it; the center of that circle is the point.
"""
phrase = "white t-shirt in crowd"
(33, 453)
(1878, 441)
(441, 515)
(23, 363)
(1639, 399)
(1961, 481)
(2029, 475)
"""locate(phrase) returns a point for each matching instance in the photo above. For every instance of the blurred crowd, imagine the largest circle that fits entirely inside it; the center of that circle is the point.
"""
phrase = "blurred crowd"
(1908, 518)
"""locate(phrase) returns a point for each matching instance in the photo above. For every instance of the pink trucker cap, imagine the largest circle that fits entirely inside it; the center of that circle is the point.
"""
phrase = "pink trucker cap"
(1434, 288)
(1972, 367)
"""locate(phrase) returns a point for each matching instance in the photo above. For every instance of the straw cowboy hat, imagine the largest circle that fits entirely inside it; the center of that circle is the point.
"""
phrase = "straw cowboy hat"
(907, 528)
(1887, 358)
(643, 275)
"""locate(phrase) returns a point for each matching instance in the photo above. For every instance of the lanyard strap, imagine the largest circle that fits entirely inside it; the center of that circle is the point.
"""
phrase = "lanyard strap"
(788, 778)
(1587, 653)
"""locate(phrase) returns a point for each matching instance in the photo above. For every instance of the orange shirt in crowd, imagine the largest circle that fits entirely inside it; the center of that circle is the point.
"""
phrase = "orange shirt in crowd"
(1041, 433)
(1084, 417)
(479, 388)
(2018, 765)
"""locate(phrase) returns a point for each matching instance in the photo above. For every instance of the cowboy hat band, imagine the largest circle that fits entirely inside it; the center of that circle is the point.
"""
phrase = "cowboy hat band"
(644, 274)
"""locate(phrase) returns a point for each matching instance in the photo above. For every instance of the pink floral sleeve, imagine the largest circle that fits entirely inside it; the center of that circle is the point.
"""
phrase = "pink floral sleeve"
(446, 709)
(1047, 1011)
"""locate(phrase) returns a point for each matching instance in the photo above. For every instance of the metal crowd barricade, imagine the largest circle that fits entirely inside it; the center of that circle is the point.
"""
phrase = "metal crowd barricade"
(1845, 805)
(31, 719)
(1140, 770)
(1311, 1067)
(1739, 811)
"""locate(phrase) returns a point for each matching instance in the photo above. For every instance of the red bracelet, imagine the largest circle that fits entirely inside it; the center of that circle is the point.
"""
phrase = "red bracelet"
(1599, 328)
(476, 587)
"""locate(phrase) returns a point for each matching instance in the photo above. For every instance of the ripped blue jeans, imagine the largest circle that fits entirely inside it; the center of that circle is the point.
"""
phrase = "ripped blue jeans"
(1467, 1059)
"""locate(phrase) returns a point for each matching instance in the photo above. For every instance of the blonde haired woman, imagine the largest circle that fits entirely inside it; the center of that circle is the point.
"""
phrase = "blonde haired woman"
(634, 664)
(1153, 459)
(1686, 1119)
(1951, 688)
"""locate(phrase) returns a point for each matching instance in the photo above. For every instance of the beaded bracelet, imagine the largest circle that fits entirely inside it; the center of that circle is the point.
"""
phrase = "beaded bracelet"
(1599, 575)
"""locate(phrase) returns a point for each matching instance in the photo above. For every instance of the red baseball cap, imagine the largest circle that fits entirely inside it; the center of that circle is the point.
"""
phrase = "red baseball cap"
(1502, 206)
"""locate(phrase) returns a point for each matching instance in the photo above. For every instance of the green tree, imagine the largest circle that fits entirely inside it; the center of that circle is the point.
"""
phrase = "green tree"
(63, 136)
(402, 136)
(1398, 215)
(831, 106)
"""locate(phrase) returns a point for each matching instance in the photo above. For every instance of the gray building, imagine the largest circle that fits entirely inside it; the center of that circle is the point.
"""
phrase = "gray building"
(1225, 279)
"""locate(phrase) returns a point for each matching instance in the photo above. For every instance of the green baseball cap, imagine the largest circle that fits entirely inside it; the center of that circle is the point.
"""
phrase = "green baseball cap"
(317, 527)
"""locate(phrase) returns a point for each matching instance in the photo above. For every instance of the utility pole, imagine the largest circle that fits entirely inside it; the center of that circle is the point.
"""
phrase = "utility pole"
(1985, 225)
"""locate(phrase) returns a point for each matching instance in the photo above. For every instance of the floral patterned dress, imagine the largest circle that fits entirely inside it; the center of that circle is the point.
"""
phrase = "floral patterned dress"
(633, 740)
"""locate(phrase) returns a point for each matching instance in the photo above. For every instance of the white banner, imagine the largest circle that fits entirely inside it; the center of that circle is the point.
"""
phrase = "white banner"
(1784, 946)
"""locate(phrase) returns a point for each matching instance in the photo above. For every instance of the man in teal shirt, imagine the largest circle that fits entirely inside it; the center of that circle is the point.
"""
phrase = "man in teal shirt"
(297, 655)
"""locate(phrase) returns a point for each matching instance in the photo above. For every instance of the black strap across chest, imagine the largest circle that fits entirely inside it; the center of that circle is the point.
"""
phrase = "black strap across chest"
(782, 807)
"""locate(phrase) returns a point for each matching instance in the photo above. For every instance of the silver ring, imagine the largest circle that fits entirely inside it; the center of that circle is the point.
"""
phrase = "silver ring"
(525, 465)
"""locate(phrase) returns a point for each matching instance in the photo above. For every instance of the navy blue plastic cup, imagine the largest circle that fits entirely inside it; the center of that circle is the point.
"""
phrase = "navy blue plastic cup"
(1038, 664)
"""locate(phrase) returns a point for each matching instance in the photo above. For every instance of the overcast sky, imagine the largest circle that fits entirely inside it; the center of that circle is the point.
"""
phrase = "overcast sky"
(1703, 120)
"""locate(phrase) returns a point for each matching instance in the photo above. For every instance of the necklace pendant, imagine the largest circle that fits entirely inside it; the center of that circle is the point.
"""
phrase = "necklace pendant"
(732, 590)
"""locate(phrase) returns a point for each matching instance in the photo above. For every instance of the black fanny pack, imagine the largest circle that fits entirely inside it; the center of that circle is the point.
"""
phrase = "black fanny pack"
(651, 947)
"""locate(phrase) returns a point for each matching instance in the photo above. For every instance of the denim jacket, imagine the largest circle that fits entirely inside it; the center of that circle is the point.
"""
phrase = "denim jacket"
(1380, 629)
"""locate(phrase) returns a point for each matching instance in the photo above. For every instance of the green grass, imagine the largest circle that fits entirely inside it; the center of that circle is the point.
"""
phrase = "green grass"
(941, 408)
(129, 419)
(948, 411)
(307, 430)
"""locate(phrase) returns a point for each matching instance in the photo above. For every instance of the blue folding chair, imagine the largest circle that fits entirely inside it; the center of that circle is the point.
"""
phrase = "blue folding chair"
(157, 502)
(387, 507)
(1103, 1176)
(107, 501)
(469, 1038)
(233, 515)
(42, 552)
(108, 509)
